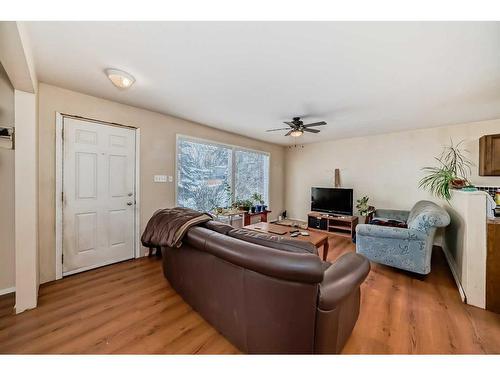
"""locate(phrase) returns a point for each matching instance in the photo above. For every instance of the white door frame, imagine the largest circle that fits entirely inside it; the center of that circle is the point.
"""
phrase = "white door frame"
(59, 187)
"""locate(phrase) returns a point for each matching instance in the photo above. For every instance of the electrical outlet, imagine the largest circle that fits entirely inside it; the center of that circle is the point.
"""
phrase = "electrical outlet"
(160, 178)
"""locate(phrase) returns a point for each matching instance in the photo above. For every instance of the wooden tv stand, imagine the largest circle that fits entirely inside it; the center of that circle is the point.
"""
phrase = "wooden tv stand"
(341, 225)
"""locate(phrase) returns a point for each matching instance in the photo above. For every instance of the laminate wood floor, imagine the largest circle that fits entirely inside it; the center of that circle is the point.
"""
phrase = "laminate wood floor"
(130, 308)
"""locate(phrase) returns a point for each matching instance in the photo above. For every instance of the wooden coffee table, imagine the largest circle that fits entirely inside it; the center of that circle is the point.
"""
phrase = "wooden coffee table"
(316, 238)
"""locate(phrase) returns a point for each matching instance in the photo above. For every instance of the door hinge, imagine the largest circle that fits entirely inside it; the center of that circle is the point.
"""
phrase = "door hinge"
(62, 133)
(62, 258)
(62, 196)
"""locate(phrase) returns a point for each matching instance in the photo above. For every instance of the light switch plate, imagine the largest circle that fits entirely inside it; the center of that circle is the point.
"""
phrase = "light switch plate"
(160, 178)
(170, 179)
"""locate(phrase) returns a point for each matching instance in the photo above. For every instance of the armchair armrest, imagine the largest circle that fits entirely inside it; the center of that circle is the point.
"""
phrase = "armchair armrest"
(401, 215)
(389, 232)
(341, 279)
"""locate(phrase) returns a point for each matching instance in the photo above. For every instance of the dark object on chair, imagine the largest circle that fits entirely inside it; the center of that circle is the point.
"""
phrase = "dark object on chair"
(263, 299)
(389, 223)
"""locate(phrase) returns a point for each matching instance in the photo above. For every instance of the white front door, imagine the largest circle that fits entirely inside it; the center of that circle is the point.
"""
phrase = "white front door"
(98, 194)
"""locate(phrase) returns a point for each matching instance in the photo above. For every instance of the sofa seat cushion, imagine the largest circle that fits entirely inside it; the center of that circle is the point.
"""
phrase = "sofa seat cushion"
(273, 241)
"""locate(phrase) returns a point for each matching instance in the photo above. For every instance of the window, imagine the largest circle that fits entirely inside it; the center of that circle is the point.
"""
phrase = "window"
(203, 174)
(251, 174)
(213, 175)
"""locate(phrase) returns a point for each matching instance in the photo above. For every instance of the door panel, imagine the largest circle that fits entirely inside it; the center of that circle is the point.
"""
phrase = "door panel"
(86, 175)
(99, 194)
(86, 231)
(117, 175)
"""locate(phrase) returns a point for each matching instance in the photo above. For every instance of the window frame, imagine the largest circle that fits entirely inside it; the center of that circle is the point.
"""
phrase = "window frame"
(233, 148)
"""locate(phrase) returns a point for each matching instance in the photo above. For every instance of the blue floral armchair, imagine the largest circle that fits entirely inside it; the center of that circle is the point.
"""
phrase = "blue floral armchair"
(406, 248)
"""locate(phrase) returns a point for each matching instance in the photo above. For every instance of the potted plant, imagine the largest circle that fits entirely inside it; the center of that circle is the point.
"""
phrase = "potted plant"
(253, 208)
(238, 204)
(257, 198)
(451, 173)
(364, 209)
(247, 205)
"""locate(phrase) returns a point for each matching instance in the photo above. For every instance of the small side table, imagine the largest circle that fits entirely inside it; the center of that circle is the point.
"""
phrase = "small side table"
(247, 217)
(229, 214)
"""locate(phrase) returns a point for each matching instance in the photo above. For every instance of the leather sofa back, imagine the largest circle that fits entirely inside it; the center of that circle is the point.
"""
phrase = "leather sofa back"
(236, 299)
(266, 300)
(302, 267)
(274, 241)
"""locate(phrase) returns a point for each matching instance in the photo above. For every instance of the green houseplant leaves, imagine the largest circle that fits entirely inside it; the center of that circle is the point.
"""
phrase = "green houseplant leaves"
(452, 172)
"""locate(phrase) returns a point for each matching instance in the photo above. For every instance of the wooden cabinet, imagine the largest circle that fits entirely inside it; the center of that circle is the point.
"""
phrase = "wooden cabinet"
(489, 155)
(335, 224)
(493, 266)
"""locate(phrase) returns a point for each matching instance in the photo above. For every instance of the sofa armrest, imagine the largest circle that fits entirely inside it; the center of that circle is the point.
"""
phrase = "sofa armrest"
(389, 232)
(341, 279)
(400, 215)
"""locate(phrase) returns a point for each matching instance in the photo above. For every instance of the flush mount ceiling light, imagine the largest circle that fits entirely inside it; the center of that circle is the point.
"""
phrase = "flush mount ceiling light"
(296, 133)
(119, 78)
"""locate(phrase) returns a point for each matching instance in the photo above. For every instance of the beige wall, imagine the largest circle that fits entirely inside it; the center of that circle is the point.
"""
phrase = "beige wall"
(7, 250)
(385, 167)
(158, 135)
(26, 202)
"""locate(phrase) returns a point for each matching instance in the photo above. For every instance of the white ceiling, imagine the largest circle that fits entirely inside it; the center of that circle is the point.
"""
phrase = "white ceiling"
(245, 77)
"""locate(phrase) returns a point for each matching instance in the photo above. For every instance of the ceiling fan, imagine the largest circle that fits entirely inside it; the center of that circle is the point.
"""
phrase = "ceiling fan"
(297, 127)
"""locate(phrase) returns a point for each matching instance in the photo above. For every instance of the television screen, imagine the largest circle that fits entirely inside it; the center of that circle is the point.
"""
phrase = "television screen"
(331, 200)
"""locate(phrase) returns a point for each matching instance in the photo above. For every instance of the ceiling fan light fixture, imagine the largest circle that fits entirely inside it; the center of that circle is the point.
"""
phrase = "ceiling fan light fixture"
(297, 127)
(119, 78)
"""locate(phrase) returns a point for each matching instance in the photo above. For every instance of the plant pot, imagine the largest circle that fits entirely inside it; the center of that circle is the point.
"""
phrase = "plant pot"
(258, 208)
(458, 183)
(264, 207)
(252, 209)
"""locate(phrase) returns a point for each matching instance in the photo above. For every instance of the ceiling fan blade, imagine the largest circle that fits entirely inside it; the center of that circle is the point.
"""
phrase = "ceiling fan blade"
(315, 124)
(290, 132)
(311, 130)
(289, 123)
(273, 130)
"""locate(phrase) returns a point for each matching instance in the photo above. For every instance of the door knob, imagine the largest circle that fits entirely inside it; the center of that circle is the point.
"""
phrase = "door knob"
(129, 203)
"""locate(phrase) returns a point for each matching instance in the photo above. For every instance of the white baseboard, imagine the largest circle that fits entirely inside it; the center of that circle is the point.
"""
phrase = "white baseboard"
(7, 291)
(294, 218)
(451, 264)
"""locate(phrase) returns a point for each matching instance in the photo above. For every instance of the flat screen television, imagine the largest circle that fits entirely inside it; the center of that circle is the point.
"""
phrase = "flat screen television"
(331, 200)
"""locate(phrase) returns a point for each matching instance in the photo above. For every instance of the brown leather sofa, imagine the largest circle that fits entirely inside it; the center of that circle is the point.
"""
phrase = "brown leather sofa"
(264, 293)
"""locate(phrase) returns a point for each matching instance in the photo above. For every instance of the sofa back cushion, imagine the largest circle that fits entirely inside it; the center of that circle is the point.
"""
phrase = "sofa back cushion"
(273, 241)
(426, 215)
(302, 267)
(218, 227)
